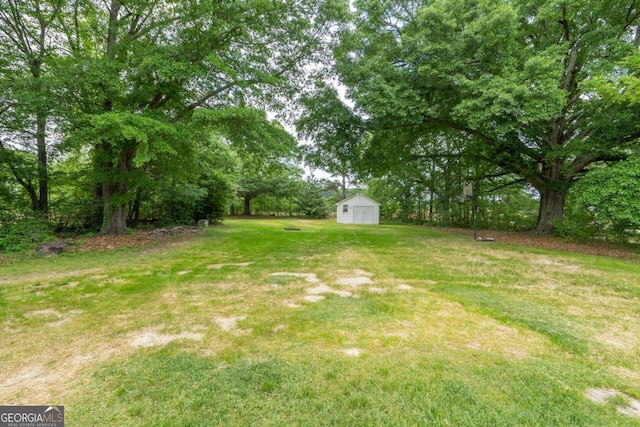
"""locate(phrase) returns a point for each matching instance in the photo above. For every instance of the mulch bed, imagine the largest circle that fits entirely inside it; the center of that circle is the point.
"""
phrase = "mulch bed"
(135, 239)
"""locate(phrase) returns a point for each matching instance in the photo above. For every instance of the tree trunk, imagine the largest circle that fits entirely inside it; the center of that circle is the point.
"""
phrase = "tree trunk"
(551, 210)
(115, 223)
(114, 191)
(33, 196)
(247, 205)
(43, 175)
(115, 211)
(431, 197)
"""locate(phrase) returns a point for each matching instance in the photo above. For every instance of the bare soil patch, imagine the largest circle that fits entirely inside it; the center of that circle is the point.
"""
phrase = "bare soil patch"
(553, 243)
(153, 338)
(324, 289)
(229, 264)
(229, 324)
(135, 239)
(352, 352)
(601, 396)
(354, 281)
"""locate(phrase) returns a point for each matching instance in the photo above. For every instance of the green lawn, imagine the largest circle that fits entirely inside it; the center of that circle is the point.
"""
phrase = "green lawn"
(330, 325)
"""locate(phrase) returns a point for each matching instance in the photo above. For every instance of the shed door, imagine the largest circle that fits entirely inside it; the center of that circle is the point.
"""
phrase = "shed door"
(363, 214)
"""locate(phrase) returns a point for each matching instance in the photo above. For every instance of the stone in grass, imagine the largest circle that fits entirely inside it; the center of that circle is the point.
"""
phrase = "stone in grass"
(51, 248)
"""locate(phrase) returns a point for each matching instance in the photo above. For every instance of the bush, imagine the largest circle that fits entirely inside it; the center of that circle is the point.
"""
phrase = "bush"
(25, 234)
(605, 201)
(179, 202)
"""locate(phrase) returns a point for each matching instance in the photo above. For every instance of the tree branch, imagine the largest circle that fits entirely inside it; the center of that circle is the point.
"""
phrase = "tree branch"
(508, 184)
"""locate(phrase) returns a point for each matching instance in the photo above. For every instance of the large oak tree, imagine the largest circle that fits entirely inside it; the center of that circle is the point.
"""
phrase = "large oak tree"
(511, 77)
(140, 71)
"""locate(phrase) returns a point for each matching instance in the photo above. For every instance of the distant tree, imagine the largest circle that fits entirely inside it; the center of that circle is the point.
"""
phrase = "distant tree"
(276, 179)
(336, 134)
(311, 202)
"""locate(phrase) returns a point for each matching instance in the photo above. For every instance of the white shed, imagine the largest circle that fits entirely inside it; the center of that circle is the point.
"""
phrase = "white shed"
(358, 209)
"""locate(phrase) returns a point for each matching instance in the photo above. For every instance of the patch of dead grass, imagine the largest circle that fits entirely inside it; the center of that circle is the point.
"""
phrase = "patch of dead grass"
(50, 276)
(152, 337)
(629, 405)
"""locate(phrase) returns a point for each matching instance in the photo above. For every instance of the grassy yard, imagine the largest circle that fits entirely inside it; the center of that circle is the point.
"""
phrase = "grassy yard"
(330, 325)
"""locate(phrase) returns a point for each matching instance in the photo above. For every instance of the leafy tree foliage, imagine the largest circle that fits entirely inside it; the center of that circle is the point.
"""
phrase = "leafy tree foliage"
(277, 180)
(609, 198)
(311, 202)
(27, 52)
(130, 81)
(337, 134)
(509, 77)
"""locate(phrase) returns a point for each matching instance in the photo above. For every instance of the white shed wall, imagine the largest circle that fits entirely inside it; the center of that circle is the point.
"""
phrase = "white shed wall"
(359, 210)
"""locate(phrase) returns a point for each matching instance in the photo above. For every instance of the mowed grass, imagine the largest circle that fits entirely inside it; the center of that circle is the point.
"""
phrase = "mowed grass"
(330, 325)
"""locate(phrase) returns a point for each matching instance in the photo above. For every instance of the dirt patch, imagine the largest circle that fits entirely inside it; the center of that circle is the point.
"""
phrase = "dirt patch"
(354, 281)
(135, 239)
(293, 305)
(554, 243)
(619, 338)
(49, 312)
(309, 277)
(602, 396)
(315, 293)
(359, 272)
(404, 287)
(625, 373)
(152, 338)
(324, 289)
(352, 352)
(36, 380)
(229, 324)
(228, 264)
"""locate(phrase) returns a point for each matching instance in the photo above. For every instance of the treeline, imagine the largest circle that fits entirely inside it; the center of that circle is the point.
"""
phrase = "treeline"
(113, 113)
(528, 101)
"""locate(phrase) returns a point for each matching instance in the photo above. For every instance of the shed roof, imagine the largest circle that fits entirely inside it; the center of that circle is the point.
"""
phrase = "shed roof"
(356, 195)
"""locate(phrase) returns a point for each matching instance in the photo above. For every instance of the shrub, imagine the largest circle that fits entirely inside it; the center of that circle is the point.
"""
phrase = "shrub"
(605, 200)
(24, 234)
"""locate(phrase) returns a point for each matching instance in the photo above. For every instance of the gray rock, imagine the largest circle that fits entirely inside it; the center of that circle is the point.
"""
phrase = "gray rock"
(51, 248)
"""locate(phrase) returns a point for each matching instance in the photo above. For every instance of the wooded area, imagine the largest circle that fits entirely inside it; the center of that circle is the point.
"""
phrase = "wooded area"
(118, 113)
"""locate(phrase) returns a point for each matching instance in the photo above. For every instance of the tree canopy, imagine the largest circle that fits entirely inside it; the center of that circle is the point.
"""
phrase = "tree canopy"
(511, 78)
(117, 111)
(135, 82)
